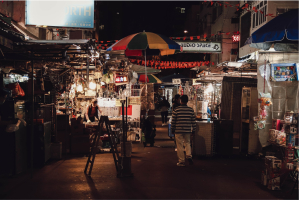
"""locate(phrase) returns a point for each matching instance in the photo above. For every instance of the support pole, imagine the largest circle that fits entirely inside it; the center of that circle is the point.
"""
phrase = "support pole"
(126, 135)
(124, 138)
(146, 108)
(32, 117)
(87, 70)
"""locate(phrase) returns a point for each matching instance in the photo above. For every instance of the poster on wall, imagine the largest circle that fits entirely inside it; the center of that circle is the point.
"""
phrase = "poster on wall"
(284, 72)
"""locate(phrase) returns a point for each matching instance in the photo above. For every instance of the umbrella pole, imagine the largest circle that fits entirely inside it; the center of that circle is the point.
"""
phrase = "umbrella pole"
(145, 84)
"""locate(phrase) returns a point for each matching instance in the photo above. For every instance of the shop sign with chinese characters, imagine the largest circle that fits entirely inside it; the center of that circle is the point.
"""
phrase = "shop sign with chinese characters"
(236, 38)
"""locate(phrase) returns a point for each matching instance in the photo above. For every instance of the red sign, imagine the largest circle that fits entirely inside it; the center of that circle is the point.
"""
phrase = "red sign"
(121, 79)
(236, 38)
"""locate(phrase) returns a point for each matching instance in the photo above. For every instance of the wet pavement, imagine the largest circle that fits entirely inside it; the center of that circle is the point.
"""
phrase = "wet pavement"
(155, 176)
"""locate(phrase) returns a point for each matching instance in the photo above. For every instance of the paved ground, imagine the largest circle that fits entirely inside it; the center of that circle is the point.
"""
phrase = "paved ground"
(156, 176)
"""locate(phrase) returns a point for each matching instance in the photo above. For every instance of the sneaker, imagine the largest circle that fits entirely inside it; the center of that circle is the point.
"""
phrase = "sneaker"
(180, 164)
(190, 161)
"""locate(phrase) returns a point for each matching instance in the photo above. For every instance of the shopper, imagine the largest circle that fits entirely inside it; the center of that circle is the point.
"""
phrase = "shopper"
(183, 125)
(176, 102)
(92, 111)
(164, 110)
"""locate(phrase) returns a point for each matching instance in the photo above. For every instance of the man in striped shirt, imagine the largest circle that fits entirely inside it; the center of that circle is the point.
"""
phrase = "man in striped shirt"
(183, 125)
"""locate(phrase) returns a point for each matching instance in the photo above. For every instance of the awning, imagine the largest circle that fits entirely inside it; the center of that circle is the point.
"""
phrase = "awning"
(284, 25)
(282, 31)
(141, 69)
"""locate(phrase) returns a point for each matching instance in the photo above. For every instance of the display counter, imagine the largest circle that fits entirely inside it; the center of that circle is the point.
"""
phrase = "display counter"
(203, 139)
(215, 137)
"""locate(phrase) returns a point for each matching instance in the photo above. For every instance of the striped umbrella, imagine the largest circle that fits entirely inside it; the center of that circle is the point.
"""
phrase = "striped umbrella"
(150, 79)
(134, 44)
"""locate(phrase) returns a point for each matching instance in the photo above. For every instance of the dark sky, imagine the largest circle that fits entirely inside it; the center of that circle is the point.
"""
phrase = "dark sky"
(134, 17)
(152, 16)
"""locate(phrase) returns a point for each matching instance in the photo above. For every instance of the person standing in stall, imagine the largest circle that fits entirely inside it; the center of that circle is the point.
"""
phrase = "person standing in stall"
(92, 111)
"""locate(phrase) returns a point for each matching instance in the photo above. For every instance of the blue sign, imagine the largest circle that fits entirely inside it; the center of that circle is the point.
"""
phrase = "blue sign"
(71, 14)
(285, 72)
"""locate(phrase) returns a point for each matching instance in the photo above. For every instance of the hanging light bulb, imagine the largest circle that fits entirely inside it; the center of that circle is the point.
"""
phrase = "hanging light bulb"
(92, 85)
(79, 88)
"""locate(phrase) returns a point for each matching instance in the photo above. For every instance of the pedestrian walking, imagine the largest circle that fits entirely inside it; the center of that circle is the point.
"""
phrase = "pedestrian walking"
(164, 110)
(183, 125)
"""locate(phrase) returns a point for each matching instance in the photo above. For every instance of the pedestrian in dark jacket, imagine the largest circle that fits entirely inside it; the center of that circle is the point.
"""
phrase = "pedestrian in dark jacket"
(183, 125)
(164, 110)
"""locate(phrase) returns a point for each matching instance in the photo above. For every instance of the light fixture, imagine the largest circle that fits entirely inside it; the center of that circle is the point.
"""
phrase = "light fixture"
(209, 89)
(185, 31)
(92, 85)
(79, 88)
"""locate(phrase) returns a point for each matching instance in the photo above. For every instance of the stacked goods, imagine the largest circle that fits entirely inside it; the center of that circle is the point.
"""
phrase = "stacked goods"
(272, 172)
(285, 132)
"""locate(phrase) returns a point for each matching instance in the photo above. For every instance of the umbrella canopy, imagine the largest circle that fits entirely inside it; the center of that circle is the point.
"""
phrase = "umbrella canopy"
(140, 69)
(282, 31)
(135, 43)
(150, 79)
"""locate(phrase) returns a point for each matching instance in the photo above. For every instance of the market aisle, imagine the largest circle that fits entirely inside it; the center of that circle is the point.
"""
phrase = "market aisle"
(156, 176)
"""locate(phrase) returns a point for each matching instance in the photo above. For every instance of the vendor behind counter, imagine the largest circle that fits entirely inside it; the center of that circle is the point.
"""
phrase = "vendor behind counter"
(92, 111)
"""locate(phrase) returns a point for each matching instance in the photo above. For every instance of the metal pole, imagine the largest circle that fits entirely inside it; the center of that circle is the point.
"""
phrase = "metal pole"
(124, 140)
(32, 117)
(145, 83)
(67, 116)
(126, 118)
(87, 70)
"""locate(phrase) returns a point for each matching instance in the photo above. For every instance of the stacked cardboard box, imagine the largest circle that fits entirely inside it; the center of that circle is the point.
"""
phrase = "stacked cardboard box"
(271, 174)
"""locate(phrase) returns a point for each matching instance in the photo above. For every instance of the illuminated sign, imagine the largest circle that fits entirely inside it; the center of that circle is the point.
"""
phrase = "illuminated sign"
(236, 38)
(75, 14)
(121, 79)
(199, 46)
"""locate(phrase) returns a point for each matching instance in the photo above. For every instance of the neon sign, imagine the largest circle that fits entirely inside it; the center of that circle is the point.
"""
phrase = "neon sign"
(236, 38)
(121, 79)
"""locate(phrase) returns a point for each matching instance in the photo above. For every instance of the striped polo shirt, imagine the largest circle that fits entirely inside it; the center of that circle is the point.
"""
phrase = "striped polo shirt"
(183, 120)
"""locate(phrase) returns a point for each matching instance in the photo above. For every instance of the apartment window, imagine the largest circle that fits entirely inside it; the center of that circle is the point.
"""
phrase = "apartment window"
(257, 17)
(245, 28)
(183, 10)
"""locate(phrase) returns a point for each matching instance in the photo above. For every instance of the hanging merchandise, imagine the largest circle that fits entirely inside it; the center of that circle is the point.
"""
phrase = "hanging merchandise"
(16, 90)
(260, 121)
